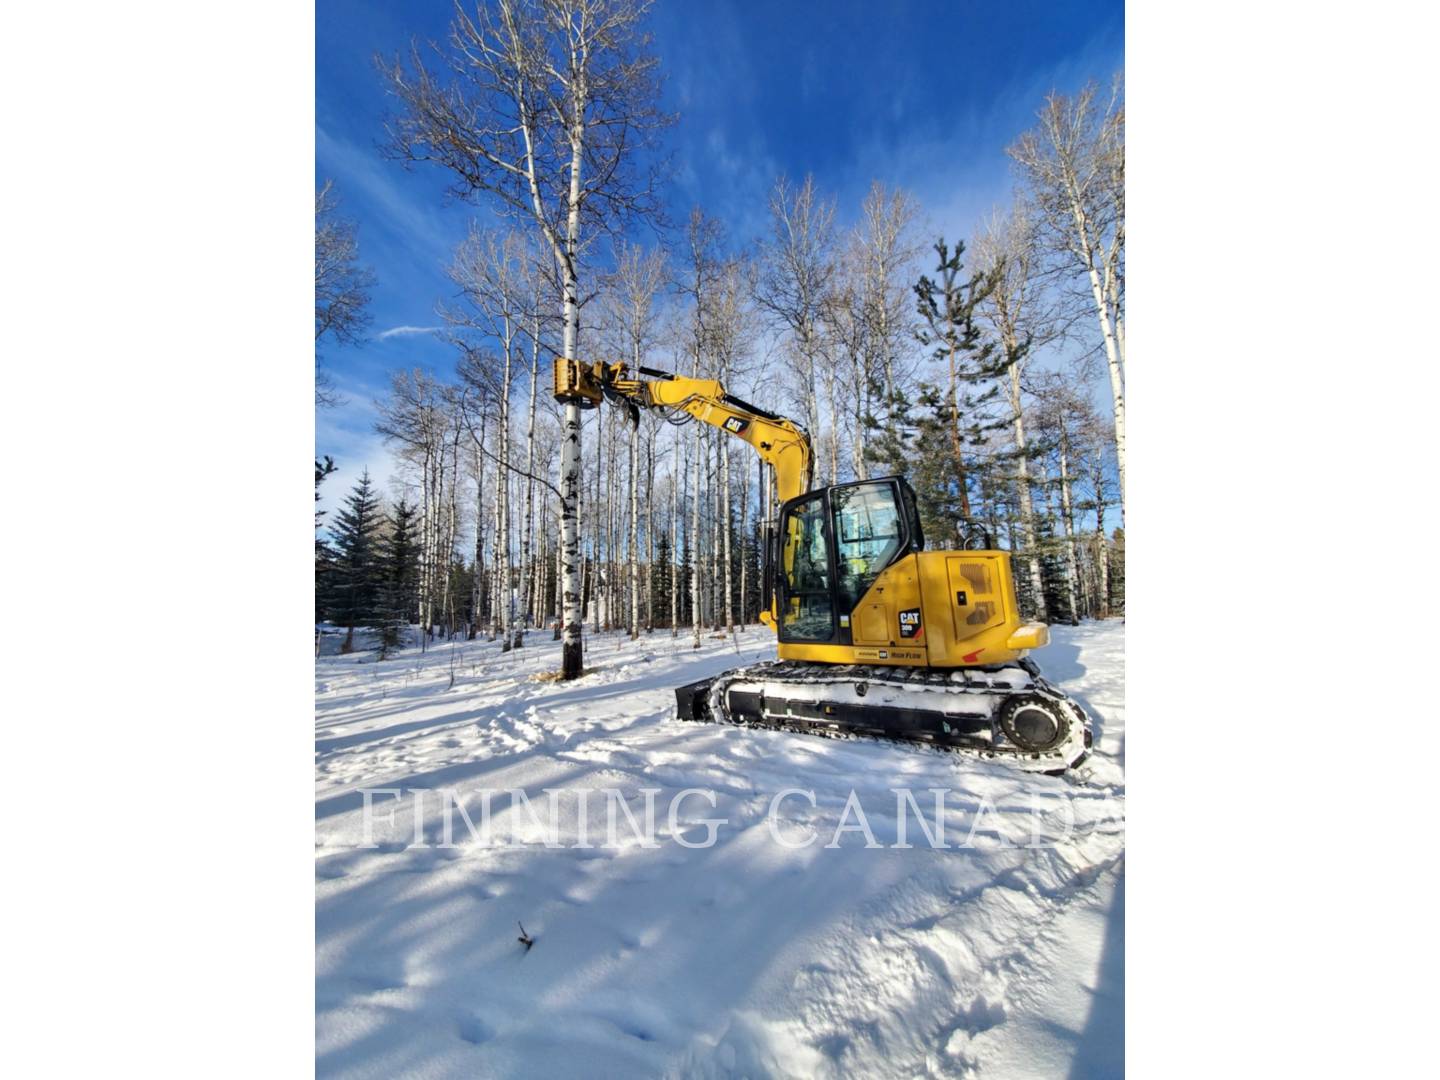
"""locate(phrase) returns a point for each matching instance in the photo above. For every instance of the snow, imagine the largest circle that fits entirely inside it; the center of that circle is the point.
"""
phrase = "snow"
(1001, 954)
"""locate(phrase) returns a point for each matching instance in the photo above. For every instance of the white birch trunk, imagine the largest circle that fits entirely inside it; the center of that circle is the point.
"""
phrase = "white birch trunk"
(744, 533)
(1072, 564)
(695, 563)
(725, 534)
(427, 525)
(857, 419)
(712, 493)
(558, 612)
(1022, 483)
(650, 534)
(573, 650)
(675, 553)
(1102, 544)
(452, 528)
(597, 525)
(634, 537)
(477, 579)
(502, 500)
(525, 551)
(572, 655)
(834, 424)
(1117, 377)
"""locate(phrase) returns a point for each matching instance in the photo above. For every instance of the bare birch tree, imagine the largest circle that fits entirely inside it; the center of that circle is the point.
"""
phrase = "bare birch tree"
(541, 105)
(1063, 416)
(675, 540)
(1074, 161)
(342, 285)
(886, 247)
(697, 613)
(846, 331)
(796, 267)
(415, 417)
(1024, 316)
(1095, 437)
(535, 326)
(632, 317)
(869, 311)
(490, 270)
(732, 330)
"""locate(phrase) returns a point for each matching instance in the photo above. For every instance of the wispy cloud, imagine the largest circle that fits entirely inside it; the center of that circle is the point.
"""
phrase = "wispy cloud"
(407, 331)
(347, 434)
(398, 209)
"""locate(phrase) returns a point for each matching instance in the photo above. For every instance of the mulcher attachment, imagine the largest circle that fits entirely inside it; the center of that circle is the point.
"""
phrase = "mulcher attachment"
(1006, 712)
(691, 701)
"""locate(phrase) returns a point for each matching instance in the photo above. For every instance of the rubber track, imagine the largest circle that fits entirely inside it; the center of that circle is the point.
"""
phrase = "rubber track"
(978, 681)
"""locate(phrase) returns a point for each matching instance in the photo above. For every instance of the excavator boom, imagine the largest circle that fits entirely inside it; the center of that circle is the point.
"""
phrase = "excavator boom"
(780, 442)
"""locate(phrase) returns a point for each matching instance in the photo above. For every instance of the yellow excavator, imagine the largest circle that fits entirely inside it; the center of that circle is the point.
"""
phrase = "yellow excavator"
(876, 635)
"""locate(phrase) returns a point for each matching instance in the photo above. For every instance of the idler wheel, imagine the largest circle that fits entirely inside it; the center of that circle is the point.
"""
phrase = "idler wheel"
(1034, 724)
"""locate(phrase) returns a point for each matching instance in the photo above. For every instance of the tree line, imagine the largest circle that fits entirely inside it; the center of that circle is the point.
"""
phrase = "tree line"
(966, 367)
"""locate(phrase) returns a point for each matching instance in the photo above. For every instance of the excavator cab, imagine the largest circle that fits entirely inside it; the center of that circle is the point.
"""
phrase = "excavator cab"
(829, 547)
(850, 582)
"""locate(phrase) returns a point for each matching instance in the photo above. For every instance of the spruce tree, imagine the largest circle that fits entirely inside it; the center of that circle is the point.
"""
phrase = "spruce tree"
(1053, 573)
(662, 577)
(892, 443)
(324, 553)
(400, 578)
(1117, 572)
(682, 582)
(354, 598)
(462, 590)
(937, 447)
(1025, 588)
(750, 602)
(322, 470)
(961, 415)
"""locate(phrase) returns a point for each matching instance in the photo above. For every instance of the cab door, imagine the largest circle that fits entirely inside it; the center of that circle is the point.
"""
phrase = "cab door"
(870, 535)
(806, 577)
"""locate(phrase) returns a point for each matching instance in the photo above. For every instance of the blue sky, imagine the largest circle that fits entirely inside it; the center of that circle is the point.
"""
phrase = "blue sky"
(923, 94)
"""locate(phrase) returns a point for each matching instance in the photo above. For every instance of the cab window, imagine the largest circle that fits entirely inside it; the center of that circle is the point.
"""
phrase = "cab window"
(808, 612)
(867, 537)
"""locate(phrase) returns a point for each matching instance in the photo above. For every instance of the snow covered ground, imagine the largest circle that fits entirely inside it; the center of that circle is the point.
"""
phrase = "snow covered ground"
(760, 955)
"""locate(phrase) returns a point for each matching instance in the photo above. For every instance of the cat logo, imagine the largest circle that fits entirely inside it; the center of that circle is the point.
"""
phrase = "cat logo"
(910, 623)
(736, 426)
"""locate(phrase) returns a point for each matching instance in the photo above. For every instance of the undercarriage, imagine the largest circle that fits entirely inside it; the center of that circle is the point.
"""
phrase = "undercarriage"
(1006, 712)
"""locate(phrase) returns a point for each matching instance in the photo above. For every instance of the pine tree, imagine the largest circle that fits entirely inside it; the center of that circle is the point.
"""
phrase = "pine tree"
(324, 553)
(1053, 573)
(1025, 598)
(399, 578)
(962, 415)
(355, 594)
(683, 571)
(1117, 572)
(322, 470)
(937, 447)
(892, 442)
(662, 580)
(750, 602)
